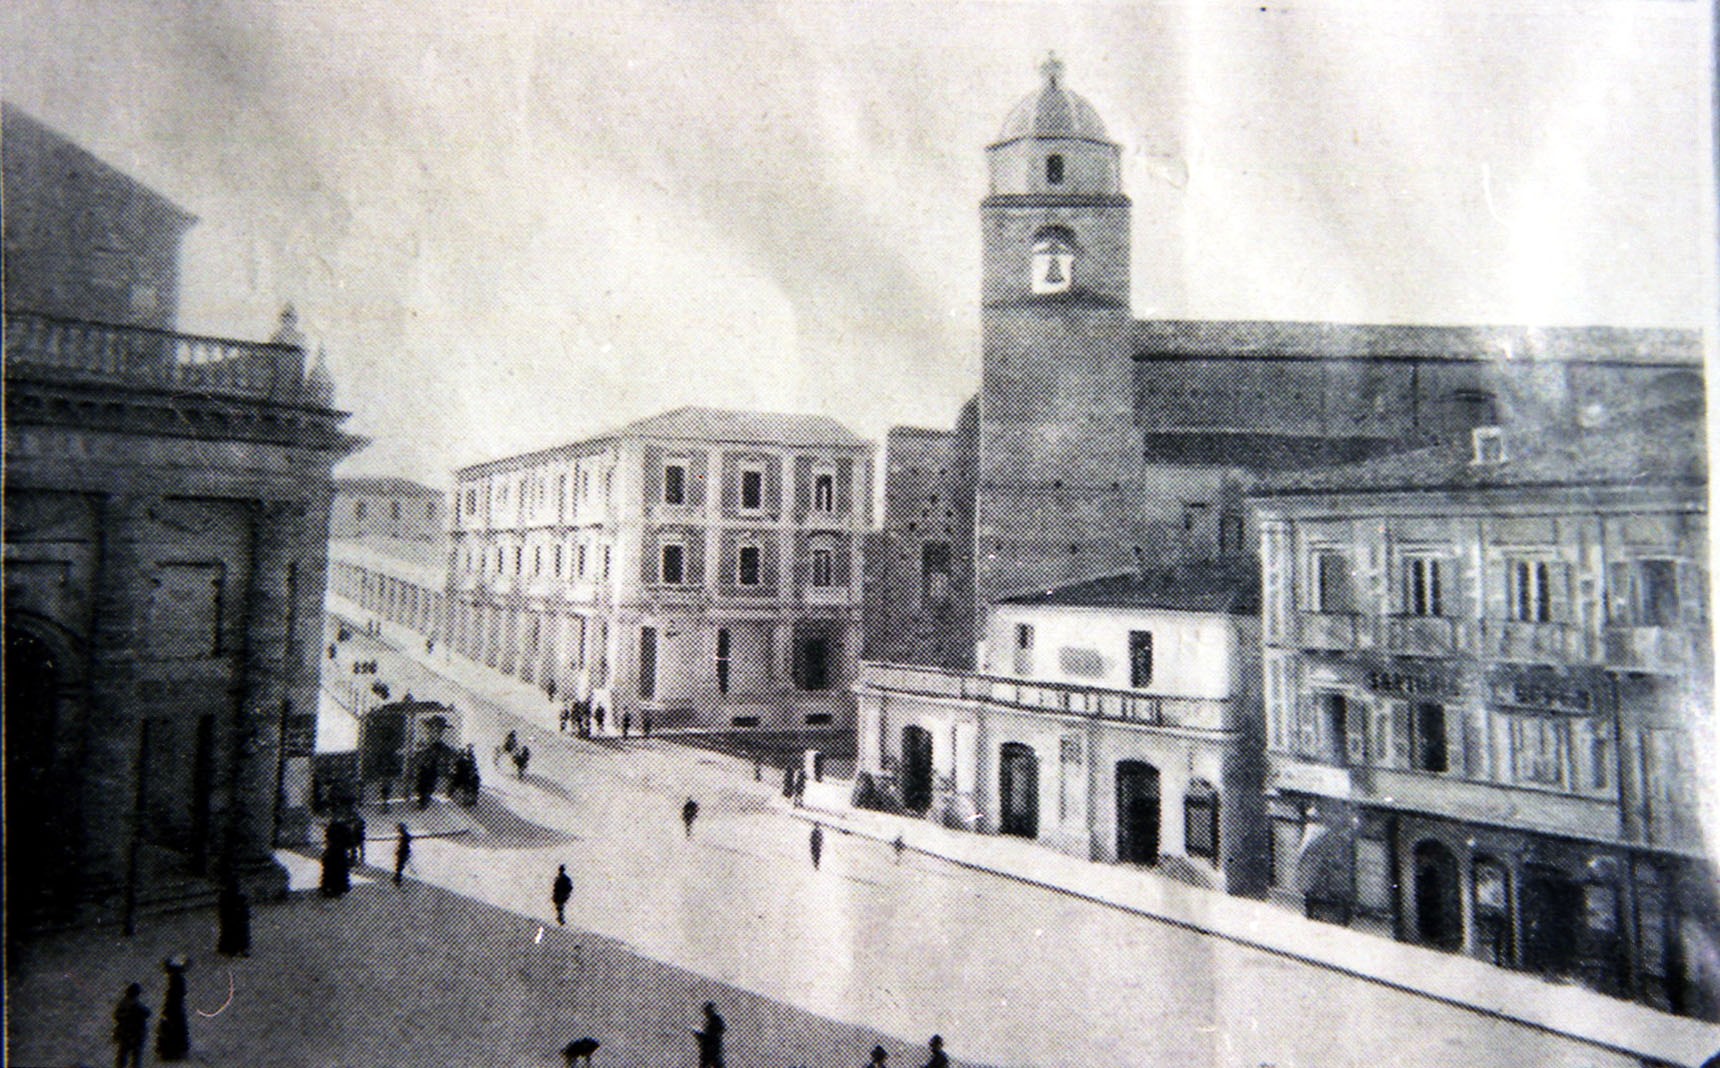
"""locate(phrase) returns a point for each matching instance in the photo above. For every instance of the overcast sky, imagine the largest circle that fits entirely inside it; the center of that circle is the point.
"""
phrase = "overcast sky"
(515, 223)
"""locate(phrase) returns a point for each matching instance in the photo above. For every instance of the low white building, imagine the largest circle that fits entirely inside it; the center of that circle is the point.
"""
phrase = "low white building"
(1116, 719)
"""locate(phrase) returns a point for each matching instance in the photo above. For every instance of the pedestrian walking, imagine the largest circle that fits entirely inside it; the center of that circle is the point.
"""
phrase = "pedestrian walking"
(512, 742)
(626, 724)
(788, 783)
(336, 861)
(402, 853)
(817, 844)
(937, 1059)
(173, 1031)
(357, 838)
(130, 1028)
(599, 719)
(799, 786)
(559, 892)
(234, 912)
(898, 845)
(878, 1058)
(689, 813)
(710, 1038)
(522, 757)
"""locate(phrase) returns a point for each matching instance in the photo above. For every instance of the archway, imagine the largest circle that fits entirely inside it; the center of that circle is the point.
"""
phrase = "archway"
(916, 768)
(1018, 790)
(41, 827)
(1137, 812)
(1438, 909)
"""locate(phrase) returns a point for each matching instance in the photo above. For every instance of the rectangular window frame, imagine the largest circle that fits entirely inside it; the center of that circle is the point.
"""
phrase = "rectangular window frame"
(675, 483)
(1422, 585)
(824, 492)
(749, 564)
(1140, 659)
(1332, 581)
(750, 485)
(823, 568)
(1529, 589)
(672, 563)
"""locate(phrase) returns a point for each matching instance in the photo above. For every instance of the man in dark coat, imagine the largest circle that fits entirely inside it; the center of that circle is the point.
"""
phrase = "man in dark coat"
(402, 853)
(937, 1059)
(689, 813)
(173, 1033)
(559, 892)
(130, 1028)
(710, 1039)
(817, 844)
(336, 859)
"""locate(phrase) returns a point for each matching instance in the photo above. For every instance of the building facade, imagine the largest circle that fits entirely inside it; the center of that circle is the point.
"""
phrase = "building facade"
(1114, 720)
(1488, 692)
(165, 540)
(387, 507)
(700, 568)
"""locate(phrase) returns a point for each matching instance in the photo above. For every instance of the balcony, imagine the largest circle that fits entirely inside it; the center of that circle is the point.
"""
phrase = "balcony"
(1329, 631)
(1660, 650)
(1538, 643)
(68, 350)
(1420, 636)
(1003, 691)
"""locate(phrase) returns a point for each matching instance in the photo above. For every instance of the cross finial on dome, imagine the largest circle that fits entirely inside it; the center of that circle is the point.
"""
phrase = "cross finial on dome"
(1052, 68)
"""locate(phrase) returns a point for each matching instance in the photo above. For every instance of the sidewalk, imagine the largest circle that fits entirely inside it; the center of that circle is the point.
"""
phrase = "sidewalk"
(1573, 1011)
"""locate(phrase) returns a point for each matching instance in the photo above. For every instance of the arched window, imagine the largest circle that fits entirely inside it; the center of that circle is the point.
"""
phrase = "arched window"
(1200, 820)
(1054, 169)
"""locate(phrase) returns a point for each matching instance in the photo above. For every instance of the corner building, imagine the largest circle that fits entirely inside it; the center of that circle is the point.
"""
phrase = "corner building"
(1488, 679)
(700, 568)
(166, 534)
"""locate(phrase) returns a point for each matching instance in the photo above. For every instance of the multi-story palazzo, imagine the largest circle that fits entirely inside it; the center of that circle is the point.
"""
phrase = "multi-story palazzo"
(165, 539)
(387, 508)
(1488, 682)
(700, 568)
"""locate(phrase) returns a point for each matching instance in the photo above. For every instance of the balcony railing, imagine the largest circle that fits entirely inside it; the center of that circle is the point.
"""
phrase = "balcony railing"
(1420, 636)
(68, 349)
(1506, 639)
(1327, 630)
(1127, 706)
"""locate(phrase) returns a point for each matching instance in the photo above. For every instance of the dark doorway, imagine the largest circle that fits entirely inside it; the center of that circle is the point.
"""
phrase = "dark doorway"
(40, 845)
(1438, 910)
(916, 768)
(1552, 920)
(1137, 812)
(1495, 934)
(647, 662)
(1018, 790)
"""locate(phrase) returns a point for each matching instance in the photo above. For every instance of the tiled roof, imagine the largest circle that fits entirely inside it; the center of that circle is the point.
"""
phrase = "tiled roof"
(722, 424)
(1222, 338)
(384, 486)
(1661, 448)
(1232, 589)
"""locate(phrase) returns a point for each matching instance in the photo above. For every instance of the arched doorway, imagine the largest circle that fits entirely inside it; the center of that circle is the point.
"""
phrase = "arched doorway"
(1137, 812)
(1438, 909)
(41, 829)
(1018, 790)
(916, 768)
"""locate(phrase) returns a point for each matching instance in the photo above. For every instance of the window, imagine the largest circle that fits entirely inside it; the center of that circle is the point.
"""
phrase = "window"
(824, 494)
(1140, 658)
(558, 561)
(1334, 590)
(1230, 533)
(935, 573)
(1053, 261)
(1537, 749)
(674, 564)
(1428, 749)
(674, 484)
(1647, 593)
(582, 561)
(537, 560)
(1423, 586)
(723, 648)
(605, 574)
(1054, 170)
(1023, 648)
(1530, 591)
(1200, 820)
(752, 489)
(823, 567)
(519, 559)
(746, 566)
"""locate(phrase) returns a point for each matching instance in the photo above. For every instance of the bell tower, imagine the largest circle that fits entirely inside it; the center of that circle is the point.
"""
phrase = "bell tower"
(1059, 456)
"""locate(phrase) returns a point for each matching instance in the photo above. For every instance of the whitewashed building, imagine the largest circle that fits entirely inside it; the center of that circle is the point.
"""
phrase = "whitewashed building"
(1115, 719)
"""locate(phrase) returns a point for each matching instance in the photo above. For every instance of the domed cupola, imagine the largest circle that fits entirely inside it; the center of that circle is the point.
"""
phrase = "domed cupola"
(1054, 143)
(1054, 111)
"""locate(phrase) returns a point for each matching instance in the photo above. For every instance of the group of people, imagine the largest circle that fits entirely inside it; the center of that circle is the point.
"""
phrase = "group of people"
(794, 784)
(516, 751)
(131, 1020)
(343, 847)
(582, 717)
